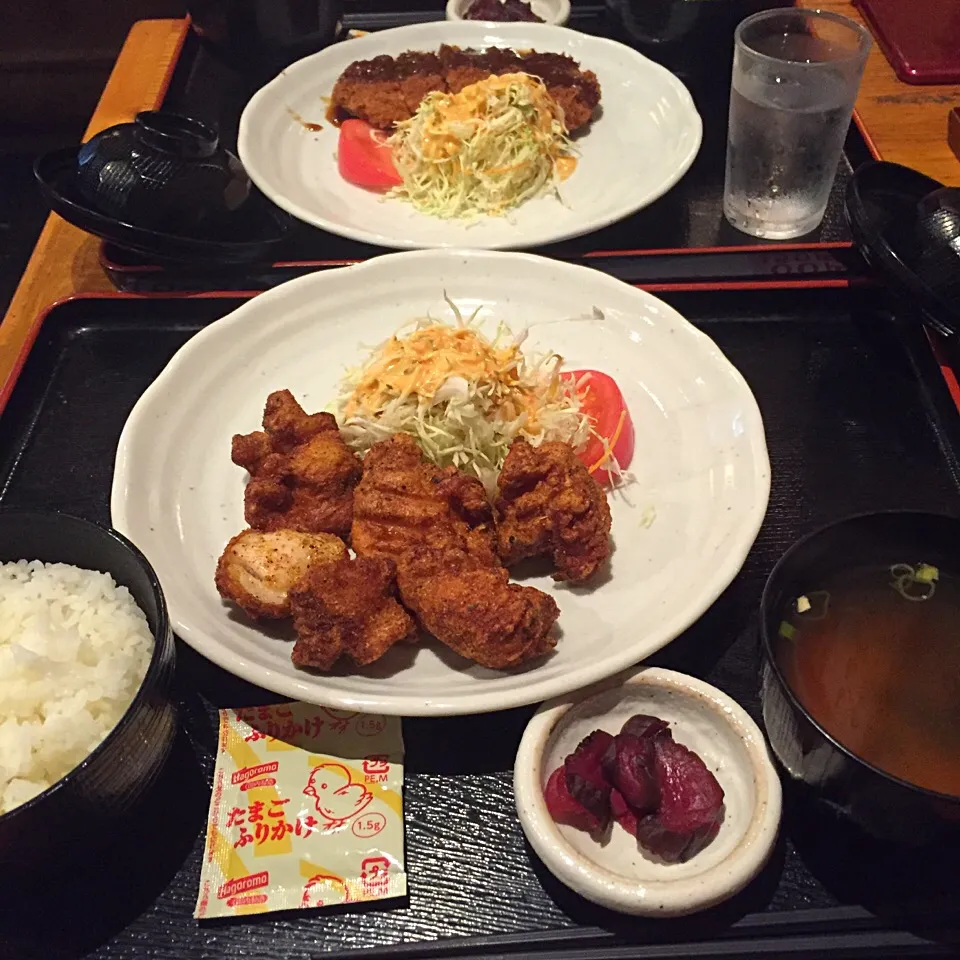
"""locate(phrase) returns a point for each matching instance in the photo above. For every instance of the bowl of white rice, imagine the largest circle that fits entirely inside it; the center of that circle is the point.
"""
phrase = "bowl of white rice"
(86, 670)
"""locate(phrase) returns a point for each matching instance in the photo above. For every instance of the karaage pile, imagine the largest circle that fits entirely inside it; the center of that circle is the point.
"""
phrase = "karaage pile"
(427, 540)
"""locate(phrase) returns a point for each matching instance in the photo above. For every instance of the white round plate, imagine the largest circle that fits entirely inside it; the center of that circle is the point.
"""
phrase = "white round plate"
(618, 874)
(642, 144)
(701, 465)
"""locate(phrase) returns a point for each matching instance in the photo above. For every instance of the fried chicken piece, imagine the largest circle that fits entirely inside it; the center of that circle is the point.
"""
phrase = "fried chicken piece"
(386, 90)
(347, 608)
(472, 608)
(402, 501)
(438, 527)
(549, 504)
(302, 474)
(257, 568)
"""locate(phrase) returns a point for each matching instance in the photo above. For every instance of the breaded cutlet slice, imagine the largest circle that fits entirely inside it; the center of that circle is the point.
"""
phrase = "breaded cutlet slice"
(387, 90)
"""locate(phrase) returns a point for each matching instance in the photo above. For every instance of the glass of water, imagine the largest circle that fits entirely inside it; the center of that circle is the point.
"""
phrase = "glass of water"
(795, 78)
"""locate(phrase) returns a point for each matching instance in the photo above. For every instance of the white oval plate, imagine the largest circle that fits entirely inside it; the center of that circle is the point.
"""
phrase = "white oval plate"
(644, 142)
(701, 466)
(618, 874)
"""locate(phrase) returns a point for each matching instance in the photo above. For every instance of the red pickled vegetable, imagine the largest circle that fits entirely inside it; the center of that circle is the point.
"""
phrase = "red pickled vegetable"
(643, 725)
(656, 789)
(622, 813)
(562, 806)
(664, 843)
(585, 779)
(668, 845)
(501, 11)
(690, 796)
(630, 765)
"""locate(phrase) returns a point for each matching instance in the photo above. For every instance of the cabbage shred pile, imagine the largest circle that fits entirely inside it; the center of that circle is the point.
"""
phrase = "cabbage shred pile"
(464, 398)
(482, 151)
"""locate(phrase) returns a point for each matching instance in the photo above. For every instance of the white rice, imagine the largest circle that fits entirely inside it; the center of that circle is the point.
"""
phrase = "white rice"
(74, 648)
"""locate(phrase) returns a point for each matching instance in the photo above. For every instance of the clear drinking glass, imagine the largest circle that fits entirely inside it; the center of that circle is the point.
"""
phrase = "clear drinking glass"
(795, 78)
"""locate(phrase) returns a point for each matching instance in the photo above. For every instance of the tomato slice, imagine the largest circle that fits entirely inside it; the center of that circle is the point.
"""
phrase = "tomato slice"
(603, 402)
(364, 158)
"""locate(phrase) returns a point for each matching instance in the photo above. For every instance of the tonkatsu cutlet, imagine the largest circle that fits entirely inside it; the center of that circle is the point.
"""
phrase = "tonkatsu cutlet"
(385, 90)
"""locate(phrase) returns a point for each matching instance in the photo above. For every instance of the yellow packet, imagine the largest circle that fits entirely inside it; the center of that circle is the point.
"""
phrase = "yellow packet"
(306, 811)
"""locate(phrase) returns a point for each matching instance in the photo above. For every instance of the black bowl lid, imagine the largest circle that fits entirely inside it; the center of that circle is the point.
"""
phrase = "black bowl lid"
(255, 234)
(882, 209)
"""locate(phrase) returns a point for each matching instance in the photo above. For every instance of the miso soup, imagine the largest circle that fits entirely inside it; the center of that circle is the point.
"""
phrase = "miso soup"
(874, 655)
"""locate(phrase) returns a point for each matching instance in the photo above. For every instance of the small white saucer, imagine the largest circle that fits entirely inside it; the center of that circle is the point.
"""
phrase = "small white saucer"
(618, 874)
(556, 12)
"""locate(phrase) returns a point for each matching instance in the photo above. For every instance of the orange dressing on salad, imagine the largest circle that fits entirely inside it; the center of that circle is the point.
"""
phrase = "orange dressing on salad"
(424, 360)
(565, 166)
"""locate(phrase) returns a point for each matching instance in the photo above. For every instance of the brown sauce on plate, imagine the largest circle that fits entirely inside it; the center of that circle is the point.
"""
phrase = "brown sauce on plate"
(306, 124)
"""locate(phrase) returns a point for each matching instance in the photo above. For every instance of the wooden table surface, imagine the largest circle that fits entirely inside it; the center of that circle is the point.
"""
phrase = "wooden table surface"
(907, 124)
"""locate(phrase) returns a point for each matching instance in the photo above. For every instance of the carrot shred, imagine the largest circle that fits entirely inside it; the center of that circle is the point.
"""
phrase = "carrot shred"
(610, 444)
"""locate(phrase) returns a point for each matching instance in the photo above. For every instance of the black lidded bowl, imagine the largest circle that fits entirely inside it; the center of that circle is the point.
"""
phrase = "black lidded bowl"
(884, 806)
(111, 779)
(163, 172)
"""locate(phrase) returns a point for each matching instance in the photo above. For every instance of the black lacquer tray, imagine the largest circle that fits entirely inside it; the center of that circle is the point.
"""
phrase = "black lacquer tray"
(643, 248)
(857, 418)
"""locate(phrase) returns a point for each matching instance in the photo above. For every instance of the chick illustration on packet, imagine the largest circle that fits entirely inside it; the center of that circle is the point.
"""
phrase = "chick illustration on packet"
(306, 811)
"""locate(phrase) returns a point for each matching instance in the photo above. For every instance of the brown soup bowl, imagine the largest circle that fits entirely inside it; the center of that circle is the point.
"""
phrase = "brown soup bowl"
(886, 807)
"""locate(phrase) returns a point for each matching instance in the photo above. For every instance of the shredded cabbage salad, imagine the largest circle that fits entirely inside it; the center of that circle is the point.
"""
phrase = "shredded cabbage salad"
(464, 397)
(482, 151)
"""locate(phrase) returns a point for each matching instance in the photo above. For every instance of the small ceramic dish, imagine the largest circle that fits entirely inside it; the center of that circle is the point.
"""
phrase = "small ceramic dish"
(617, 873)
(556, 12)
